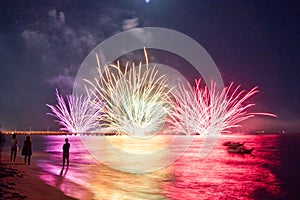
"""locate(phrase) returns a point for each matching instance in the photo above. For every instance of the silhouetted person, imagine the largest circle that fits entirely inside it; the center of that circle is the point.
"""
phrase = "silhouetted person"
(2, 142)
(14, 148)
(66, 148)
(27, 150)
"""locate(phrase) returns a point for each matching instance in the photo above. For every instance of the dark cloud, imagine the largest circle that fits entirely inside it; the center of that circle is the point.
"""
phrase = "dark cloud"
(42, 49)
(62, 46)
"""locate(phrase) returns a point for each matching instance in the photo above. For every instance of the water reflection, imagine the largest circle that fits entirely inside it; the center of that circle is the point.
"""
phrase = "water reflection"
(219, 175)
(108, 183)
(223, 175)
(136, 155)
(103, 181)
(63, 171)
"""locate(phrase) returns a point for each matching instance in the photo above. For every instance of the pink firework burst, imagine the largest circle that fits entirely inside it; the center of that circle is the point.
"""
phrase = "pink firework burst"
(78, 114)
(207, 111)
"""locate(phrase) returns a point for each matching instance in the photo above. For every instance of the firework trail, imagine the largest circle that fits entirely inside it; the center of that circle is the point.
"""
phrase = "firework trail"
(200, 110)
(79, 114)
(135, 98)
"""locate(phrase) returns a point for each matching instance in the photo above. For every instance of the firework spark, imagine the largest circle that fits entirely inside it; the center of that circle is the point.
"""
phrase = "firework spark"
(204, 111)
(135, 98)
(79, 114)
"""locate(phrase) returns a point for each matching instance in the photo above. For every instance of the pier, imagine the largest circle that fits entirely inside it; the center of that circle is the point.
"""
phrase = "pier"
(10, 132)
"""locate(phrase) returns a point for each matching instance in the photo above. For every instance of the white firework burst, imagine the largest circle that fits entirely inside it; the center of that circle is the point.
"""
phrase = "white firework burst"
(135, 98)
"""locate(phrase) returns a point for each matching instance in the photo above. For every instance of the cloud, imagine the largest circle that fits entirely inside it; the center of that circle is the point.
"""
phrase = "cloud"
(58, 17)
(55, 33)
(63, 80)
(130, 23)
(61, 43)
(34, 38)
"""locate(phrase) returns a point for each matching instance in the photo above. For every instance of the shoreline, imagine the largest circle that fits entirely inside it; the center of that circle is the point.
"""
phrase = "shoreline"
(19, 181)
(63, 133)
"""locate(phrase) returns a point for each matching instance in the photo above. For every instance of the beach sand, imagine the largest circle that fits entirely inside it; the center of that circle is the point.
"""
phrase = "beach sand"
(19, 181)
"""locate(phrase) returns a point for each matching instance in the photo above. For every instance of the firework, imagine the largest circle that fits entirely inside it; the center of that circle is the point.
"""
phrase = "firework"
(78, 114)
(135, 98)
(207, 111)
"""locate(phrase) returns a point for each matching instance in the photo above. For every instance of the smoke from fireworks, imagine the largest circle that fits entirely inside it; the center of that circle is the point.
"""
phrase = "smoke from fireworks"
(135, 98)
(78, 114)
(204, 111)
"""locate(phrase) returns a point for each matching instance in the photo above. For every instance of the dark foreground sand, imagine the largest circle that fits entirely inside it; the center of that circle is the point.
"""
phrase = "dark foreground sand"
(19, 181)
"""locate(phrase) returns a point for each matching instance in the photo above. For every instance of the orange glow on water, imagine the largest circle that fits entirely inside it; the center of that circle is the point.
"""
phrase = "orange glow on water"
(219, 175)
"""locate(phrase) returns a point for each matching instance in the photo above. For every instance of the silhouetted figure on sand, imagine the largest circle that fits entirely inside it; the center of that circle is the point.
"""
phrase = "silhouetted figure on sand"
(27, 150)
(66, 148)
(14, 148)
(2, 142)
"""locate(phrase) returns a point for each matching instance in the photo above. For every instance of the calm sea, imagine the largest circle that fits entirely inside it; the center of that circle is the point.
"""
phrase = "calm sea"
(271, 172)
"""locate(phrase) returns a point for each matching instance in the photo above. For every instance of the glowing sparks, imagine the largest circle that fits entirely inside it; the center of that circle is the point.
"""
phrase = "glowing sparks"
(203, 111)
(135, 98)
(78, 114)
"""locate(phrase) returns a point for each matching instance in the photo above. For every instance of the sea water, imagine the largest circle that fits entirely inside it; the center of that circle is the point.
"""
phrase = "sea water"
(270, 172)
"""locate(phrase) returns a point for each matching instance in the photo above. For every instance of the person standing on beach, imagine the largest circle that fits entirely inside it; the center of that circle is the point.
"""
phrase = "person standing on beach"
(27, 149)
(2, 142)
(66, 148)
(14, 148)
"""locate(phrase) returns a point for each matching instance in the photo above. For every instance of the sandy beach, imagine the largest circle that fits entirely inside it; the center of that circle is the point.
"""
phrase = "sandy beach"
(19, 181)
(44, 178)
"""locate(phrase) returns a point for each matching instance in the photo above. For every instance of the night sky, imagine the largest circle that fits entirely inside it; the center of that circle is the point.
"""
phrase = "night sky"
(43, 43)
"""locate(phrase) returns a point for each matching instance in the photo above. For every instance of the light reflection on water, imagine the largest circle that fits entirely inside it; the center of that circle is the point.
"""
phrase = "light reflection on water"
(219, 176)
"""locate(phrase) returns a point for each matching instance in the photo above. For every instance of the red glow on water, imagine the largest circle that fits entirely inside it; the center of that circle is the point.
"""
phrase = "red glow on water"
(219, 176)
(224, 176)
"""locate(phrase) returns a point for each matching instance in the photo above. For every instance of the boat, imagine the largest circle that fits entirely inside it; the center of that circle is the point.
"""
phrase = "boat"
(233, 144)
(240, 150)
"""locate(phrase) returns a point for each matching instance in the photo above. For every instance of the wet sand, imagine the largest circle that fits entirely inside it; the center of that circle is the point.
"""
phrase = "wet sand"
(19, 181)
